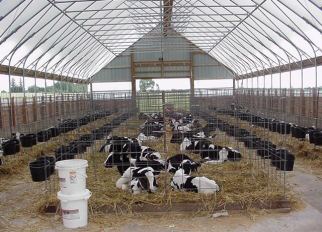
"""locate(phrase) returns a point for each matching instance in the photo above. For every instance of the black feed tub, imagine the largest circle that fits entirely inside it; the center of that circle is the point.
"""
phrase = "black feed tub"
(272, 126)
(283, 128)
(267, 153)
(283, 160)
(298, 132)
(54, 131)
(78, 146)
(264, 144)
(316, 137)
(10, 147)
(39, 170)
(28, 140)
(51, 160)
(43, 136)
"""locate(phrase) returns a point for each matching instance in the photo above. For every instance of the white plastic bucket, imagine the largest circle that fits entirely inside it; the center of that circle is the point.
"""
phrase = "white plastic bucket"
(72, 175)
(74, 209)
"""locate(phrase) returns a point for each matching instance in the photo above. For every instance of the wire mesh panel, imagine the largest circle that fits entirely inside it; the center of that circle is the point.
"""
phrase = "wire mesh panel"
(167, 147)
(160, 152)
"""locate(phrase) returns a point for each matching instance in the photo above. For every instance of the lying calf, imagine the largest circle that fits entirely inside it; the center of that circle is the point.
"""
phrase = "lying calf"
(195, 144)
(173, 163)
(183, 181)
(115, 144)
(123, 161)
(138, 180)
(148, 153)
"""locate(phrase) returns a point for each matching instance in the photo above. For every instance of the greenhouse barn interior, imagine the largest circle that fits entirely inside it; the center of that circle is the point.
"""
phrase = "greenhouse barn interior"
(161, 115)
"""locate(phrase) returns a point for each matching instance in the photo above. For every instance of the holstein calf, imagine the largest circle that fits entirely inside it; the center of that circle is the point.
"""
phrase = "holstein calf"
(184, 182)
(217, 154)
(138, 179)
(114, 144)
(195, 144)
(123, 162)
(173, 163)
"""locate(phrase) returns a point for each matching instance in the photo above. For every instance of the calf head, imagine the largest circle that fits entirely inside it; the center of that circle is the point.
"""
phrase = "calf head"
(188, 166)
(120, 160)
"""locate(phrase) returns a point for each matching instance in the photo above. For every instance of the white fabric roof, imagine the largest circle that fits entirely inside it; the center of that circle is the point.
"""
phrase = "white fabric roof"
(77, 38)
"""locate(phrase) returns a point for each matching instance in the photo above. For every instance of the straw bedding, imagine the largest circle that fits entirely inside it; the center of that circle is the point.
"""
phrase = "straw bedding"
(306, 153)
(239, 181)
(16, 166)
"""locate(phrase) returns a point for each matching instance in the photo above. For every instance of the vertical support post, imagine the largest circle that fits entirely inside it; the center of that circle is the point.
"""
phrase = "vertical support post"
(164, 126)
(91, 94)
(13, 112)
(24, 110)
(1, 125)
(50, 109)
(192, 81)
(303, 106)
(34, 108)
(315, 103)
(192, 77)
(133, 81)
(43, 108)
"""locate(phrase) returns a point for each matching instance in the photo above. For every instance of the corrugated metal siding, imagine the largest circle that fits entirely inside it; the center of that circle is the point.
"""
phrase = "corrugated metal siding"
(211, 72)
(170, 49)
(118, 70)
(120, 61)
(204, 59)
(208, 68)
(113, 75)
(175, 49)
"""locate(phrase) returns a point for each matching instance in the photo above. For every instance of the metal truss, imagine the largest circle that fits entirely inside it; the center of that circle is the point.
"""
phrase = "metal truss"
(77, 38)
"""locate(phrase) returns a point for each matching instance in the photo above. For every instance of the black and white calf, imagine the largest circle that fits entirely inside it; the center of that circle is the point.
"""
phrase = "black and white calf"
(217, 154)
(123, 161)
(195, 144)
(114, 144)
(148, 153)
(137, 180)
(122, 144)
(184, 182)
(173, 163)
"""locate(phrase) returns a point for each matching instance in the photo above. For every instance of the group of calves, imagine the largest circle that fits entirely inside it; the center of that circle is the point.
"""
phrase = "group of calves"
(139, 167)
(191, 136)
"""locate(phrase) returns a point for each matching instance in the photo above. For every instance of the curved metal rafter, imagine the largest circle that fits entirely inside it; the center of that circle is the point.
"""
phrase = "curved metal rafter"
(74, 39)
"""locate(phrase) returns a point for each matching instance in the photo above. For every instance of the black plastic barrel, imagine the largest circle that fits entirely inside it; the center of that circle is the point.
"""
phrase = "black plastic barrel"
(266, 153)
(316, 138)
(51, 160)
(283, 128)
(283, 160)
(28, 140)
(10, 147)
(43, 136)
(39, 170)
(54, 131)
(273, 125)
(298, 132)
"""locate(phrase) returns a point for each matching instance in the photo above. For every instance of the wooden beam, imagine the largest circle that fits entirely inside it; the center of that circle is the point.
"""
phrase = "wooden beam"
(167, 77)
(167, 15)
(4, 69)
(162, 63)
(309, 63)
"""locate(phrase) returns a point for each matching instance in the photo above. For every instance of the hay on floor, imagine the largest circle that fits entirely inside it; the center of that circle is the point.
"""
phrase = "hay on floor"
(240, 182)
